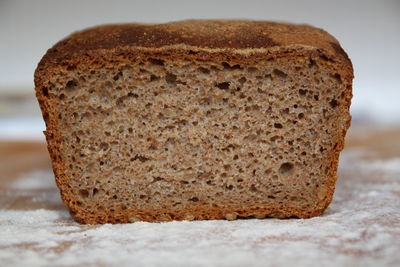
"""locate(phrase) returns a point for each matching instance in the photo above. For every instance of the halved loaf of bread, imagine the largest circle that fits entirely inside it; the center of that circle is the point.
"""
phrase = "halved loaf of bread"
(195, 120)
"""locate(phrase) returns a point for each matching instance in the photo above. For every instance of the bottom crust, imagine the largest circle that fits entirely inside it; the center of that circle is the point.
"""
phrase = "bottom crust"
(198, 214)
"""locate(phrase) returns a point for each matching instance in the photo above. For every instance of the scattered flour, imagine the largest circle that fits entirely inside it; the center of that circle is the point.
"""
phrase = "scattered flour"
(38, 179)
(360, 228)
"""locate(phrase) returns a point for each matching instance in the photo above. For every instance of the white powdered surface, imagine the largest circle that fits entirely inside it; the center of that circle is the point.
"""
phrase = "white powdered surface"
(38, 179)
(360, 228)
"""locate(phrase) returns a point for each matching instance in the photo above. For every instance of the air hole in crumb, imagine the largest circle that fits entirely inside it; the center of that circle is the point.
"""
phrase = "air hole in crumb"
(333, 103)
(242, 80)
(83, 193)
(204, 70)
(104, 146)
(252, 69)
(116, 77)
(115, 196)
(286, 168)
(154, 78)
(171, 79)
(278, 125)
(253, 188)
(71, 67)
(194, 199)
(85, 116)
(337, 77)
(223, 85)
(71, 84)
(312, 64)
(95, 191)
(274, 138)
(45, 91)
(101, 163)
(300, 116)
(157, 61)
(227, 66)
(324, 57)
(140, 158)
(268, 77)
(316, 97)
(132, 95)
(157, 179)
(61, 97)
(280, 73)
(302, 92)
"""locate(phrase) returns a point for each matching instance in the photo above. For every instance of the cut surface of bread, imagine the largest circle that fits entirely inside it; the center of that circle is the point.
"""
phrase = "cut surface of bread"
(195, 120)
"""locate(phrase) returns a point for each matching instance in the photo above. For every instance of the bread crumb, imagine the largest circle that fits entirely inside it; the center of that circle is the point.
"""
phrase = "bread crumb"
(189, 217)
(231, 216)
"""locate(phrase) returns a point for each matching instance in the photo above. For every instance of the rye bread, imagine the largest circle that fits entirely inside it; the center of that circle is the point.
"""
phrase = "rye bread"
(198, 119)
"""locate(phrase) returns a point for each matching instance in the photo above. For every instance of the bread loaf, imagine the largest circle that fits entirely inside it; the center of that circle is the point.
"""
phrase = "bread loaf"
(198, 119)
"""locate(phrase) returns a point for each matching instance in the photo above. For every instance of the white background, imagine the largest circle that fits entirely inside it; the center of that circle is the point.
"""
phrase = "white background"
(368, 30)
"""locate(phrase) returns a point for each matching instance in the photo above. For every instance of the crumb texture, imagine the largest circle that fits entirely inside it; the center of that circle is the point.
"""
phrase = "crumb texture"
(161, 139)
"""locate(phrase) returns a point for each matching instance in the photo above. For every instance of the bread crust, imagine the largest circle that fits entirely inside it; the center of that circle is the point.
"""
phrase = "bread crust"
(233, 41)
(234, 35)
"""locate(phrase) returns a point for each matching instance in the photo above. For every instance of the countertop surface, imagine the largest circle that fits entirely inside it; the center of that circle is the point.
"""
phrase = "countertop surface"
(360, 228)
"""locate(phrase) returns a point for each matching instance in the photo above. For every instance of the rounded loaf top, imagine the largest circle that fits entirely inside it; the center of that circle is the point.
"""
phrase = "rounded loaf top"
(233, 35)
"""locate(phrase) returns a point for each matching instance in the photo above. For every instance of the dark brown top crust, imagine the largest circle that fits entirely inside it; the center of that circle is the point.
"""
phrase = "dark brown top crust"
(232, 35)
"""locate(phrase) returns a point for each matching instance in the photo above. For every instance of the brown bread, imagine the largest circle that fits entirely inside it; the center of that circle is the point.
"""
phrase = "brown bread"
(195, 119)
